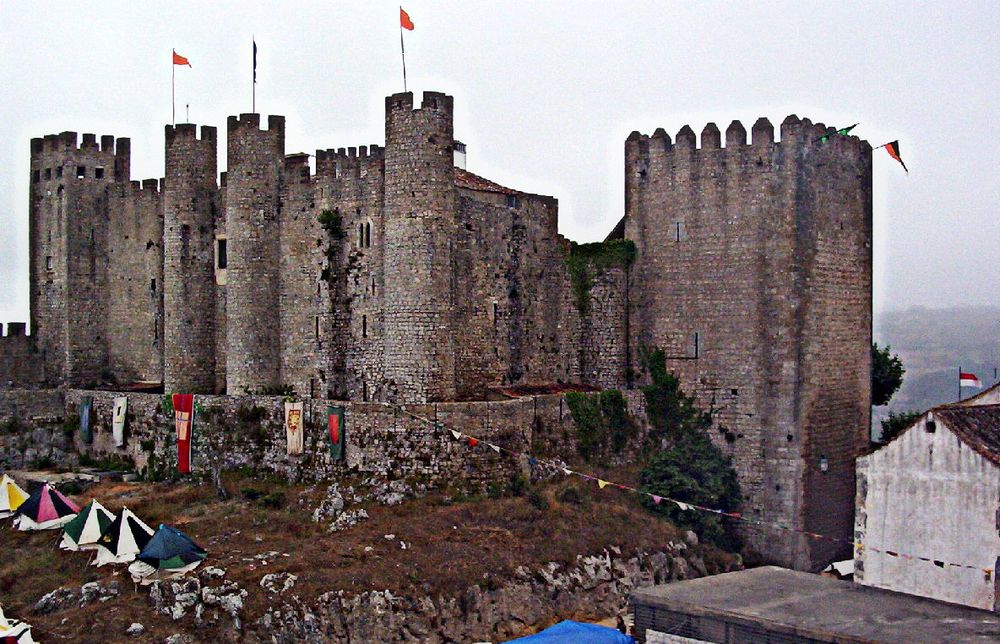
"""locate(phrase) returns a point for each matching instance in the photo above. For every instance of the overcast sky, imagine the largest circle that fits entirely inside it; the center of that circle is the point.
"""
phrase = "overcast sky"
(545, 95)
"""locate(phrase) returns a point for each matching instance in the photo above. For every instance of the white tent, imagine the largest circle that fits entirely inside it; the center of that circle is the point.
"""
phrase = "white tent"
(11, 496)
(87, 527)
(123, 540)
(20, 631)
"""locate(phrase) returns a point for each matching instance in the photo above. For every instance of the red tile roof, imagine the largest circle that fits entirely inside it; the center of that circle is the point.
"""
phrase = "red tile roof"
(469, 181)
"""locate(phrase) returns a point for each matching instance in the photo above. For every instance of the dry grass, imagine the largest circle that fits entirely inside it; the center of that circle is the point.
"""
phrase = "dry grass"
(450, 545)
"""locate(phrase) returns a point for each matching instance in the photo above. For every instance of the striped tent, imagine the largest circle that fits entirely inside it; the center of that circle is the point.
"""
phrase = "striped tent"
(87, 527)
(123, 540)
(11, 496)
(46, 509)
(13, 631)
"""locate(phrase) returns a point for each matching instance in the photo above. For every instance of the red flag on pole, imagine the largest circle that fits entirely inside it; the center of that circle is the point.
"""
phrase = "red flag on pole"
(181, 60)
(404, 20)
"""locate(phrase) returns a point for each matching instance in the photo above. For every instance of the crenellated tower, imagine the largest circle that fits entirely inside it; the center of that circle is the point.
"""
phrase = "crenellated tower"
(68, 261)
(421, 204)
(753, 273)
(191, 206)
(254, 184)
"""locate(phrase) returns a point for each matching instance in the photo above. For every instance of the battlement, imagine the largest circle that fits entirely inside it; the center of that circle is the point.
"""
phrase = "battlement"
(346, 161)
(794, 131)
(14, 330)
(433, 101)
(189, 132)
(68, 141)
(144, 188)
(250, 122)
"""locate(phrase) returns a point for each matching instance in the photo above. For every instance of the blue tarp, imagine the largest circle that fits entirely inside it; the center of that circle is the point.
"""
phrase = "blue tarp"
(569, 632)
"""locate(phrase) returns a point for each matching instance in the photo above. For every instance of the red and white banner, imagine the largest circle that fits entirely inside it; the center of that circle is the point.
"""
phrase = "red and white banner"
(183, 421)
(293, 427)
(969, 380)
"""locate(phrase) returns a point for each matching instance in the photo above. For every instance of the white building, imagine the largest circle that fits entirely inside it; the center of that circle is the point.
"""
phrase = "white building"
(928, 507)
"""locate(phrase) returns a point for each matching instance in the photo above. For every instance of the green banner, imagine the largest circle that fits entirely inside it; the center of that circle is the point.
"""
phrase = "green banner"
(335, 423)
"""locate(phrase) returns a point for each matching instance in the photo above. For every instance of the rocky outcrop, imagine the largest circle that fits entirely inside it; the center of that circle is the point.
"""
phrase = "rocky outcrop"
(594, 585)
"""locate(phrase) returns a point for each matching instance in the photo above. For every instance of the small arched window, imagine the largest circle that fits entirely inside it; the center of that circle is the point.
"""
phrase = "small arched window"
(361, 235)
(368, 235)
(364, 326)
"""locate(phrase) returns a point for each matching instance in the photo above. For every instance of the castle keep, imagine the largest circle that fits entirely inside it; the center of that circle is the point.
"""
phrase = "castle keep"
(391, 274)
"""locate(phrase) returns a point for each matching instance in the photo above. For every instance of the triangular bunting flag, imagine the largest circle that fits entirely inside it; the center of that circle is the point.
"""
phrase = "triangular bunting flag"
(682, 506)
(656, 499)
(473, 442)
(495, 448)
(601, 483)
(457, 434)
(567, 472)
(893, 149)
(841, 132)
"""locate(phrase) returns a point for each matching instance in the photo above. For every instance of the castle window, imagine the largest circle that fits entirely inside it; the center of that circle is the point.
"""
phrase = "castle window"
(98, 173)
(368, 235)
(316, 320)
(680, 233)
(373, 285)
(221, 257)
(697, 344)
(156, 331)
(512, 201)
(48, 173)
(361, 235)
(81, 171)
(364, 326)
(152, 285)
(37, 176)
(59, 172)
(48, 262)
(496, 312)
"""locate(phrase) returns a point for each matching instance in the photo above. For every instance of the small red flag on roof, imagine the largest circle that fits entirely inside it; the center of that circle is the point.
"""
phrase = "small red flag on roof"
(180, 60)
(404, 20)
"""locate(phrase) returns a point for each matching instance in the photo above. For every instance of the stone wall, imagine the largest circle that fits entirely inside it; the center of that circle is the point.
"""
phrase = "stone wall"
(19, 360)
(134, 326)
(753, 274)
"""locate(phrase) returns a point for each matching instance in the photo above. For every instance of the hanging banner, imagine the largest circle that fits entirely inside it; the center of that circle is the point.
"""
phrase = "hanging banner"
(335, 416)
(86, 431)
(118, 421)
(184, 422)
(293, 427)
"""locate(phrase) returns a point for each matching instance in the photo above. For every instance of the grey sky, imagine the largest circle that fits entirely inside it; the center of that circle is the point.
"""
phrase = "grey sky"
(545, 95)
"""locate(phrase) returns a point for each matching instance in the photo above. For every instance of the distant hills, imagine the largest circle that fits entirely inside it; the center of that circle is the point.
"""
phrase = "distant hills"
(933, 344)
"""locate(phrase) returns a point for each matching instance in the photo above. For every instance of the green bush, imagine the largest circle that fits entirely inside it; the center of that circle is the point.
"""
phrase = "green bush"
(603, 425)
(331, 223)
(537, 500)
(671, 413)
(274, 500)
(694, 470)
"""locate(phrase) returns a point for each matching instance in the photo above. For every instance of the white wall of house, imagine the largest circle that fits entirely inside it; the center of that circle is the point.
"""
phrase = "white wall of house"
(928, 494)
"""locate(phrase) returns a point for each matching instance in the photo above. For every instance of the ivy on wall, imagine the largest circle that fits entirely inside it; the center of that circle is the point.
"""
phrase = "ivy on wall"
(586, 261)
(603, 425)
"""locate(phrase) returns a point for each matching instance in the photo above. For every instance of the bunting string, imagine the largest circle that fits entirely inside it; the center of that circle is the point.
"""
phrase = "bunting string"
(657, 499)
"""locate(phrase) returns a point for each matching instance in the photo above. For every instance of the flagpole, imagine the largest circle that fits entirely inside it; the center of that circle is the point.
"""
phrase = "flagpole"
(173, 103)
(959, 383)
(253, 83)
(402, 50)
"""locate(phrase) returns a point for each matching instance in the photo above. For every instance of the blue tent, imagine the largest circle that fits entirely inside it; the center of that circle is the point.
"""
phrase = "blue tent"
(569, 632)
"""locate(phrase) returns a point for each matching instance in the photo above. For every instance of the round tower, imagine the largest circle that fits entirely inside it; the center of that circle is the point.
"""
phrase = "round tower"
(190, 206)
(253, 190)
(421, 204)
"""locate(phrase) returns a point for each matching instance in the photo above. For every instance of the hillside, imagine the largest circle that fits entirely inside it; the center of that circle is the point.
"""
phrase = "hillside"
(461, 568)
(933, 344)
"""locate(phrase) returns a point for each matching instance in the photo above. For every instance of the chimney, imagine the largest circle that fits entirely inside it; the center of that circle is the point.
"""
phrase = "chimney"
(459, 155)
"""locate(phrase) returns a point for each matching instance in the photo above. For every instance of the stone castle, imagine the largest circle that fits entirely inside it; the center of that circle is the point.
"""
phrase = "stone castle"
(392, 274)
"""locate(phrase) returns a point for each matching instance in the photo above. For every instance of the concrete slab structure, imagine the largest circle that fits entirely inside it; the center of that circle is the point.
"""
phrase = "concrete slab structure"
(773, 604)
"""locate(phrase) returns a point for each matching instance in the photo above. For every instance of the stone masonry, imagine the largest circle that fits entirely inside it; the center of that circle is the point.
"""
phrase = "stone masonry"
(389, 275)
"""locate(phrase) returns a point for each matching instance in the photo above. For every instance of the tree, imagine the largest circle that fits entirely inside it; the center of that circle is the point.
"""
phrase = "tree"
(895, 423)
(694, 470)
(887, 374)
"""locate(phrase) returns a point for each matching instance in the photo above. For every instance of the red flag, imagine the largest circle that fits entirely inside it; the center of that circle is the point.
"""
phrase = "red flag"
(472, 441)
(969, 380)
(404, 20)
(183, 419)
(181, 60)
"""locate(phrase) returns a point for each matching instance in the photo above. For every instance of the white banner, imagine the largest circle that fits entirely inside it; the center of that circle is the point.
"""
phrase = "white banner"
(118, 421)
(293, 427)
